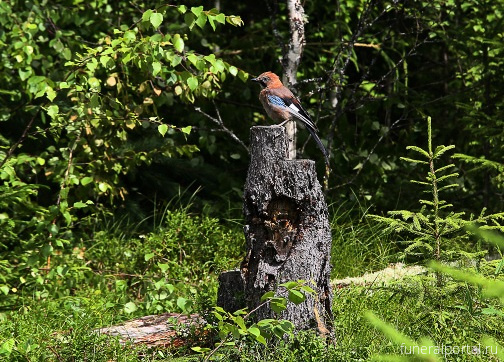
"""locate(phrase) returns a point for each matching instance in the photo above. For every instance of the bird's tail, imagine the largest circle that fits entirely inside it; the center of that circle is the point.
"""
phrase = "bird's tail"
(319, 142)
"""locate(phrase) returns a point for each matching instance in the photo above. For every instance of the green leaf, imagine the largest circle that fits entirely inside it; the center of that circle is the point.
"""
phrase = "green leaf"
(104, 60)
(307, 289)
(162, 129)
(455, 174)
(211, 21)
(193, 58)
(187, 129)
(210, 58)
(221, 18)
(50, 93)
(24, 75)
(156, 19)
(243, 75)
(240, 322)
(286, 325)
(253, 330)
(52, 111)
(163, 267)
(441, 169)
(442, 149)
(86, 180)
(192, 83)
(94, 82)
(296, 297)
(182, 9)
(156, 68)
(267, 295)
(289, 285)
(7, 347)
(147, 14)
(149, 256)
(102, 186)
(492, 311)
(4, 289)
(190, 20)
(53, 229)
(201, 20)
(130, 307)
(413, 160)
(261, 339)
(233, 70)
(367, 85)
(178, 43)
(92, 64)
(200, 349)
(181, 303)
(197, 10)
(278, 304)
(79, 205)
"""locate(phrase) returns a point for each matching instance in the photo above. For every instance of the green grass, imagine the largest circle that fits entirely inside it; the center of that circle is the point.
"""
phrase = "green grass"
(359, 244)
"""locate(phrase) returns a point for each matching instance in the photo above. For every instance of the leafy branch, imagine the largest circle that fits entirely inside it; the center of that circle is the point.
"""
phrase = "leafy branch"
(231, 327)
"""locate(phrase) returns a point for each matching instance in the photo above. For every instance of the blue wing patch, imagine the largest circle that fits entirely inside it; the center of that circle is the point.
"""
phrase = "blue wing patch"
(277, 101)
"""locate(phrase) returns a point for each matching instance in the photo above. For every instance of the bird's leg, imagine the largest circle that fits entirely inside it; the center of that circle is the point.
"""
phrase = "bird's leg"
(284, 122)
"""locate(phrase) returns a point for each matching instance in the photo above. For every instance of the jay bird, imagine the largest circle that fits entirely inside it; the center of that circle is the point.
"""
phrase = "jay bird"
(281, 105)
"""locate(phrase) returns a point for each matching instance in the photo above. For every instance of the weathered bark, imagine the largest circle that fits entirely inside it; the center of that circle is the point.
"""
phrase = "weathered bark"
(297, 41)
(230, 295)
(287, 231)
(163, 330)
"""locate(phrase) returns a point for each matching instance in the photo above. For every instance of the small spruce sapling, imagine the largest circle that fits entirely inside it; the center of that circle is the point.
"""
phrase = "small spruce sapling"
(430, 231)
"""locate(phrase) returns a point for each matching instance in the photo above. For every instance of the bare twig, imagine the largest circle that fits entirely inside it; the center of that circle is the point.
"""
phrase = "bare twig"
(333, 89)
(273, 12)
(371, 152)
(216, 348)
(53, 350)
(67, 171)
(21, 139)
(220, 123)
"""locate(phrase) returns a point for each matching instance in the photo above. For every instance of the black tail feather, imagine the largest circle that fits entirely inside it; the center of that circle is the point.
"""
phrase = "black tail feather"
(319, 143)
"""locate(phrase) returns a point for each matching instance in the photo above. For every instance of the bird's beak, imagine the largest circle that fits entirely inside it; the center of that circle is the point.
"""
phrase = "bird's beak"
(260, 81)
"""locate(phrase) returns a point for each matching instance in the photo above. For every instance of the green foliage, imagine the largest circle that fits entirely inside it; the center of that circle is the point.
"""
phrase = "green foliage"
(63, 332)
(142, 273)
(93, 101)
(496, 169)
(487, 288)
(89, 104)
(232, 329)
(428, 229)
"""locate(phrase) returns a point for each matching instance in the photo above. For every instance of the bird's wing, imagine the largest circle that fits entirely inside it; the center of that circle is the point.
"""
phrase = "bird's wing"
(292, 105)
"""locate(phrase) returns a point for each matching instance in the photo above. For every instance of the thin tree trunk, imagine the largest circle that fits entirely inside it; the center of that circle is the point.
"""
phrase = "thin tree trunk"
(295, 47)
(291, 60)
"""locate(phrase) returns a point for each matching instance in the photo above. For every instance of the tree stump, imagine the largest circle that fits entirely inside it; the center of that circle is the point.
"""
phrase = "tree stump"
(287, 232)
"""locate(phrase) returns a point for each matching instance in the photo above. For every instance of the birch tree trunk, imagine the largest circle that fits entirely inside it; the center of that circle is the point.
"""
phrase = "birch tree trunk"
(291, 60)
